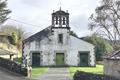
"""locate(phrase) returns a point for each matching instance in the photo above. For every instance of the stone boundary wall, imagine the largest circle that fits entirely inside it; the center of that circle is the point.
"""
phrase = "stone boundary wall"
(13, 66)
(79, 75)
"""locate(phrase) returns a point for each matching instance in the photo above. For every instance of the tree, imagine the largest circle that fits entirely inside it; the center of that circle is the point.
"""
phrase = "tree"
(102, 46)
(18, 34)
(3, 11)
(106, 21)
(14, 38)
(73, 34)
(9, 29)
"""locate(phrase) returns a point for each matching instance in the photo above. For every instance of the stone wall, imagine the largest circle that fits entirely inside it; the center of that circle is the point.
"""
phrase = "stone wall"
(79, 75)
(13, 66)
(112, 67)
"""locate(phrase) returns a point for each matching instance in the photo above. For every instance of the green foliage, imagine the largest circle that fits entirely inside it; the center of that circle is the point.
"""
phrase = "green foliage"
(19, 34)
(18, 60)
(9, 29)
(37, 71)
(102, 46)
(105, 21)
(3, 11)
(14, 38)
(73, 34)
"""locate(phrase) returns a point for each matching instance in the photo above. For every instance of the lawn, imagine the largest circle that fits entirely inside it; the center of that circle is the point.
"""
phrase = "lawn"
(97, 70)
(37, 71)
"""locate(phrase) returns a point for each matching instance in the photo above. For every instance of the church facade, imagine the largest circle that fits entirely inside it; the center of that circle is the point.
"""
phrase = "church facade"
(54, 46)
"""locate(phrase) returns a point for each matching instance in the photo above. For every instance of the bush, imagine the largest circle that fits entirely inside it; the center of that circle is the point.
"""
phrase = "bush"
(18, 60)
(79, 75)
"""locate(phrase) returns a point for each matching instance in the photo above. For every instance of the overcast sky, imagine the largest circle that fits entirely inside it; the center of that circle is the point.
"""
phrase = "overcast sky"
(38, 12)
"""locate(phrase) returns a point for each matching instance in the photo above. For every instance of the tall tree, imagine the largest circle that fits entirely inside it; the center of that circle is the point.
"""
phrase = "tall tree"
(106, 21)
(3, 11)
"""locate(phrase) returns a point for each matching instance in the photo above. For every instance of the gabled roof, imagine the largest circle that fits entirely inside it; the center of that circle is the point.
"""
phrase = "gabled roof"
(40, 35)
(115, 55)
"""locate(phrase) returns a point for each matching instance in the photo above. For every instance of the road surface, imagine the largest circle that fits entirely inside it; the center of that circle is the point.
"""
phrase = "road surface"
(7, 75)
(56, 74)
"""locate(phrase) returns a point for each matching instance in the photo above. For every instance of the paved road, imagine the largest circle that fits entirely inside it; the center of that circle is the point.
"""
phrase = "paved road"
(56, 74)
(6, 75)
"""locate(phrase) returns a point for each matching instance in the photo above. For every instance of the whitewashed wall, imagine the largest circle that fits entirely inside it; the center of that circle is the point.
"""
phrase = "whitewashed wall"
(78, 45)
(49, 47)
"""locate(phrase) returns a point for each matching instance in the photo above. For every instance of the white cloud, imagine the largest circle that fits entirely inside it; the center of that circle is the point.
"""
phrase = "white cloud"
(38, 12)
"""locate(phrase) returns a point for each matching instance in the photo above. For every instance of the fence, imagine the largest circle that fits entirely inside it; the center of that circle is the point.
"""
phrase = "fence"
(13, 66)
(79, 75)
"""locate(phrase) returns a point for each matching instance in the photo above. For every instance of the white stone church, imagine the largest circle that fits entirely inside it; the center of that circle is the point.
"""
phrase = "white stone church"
(54, 46)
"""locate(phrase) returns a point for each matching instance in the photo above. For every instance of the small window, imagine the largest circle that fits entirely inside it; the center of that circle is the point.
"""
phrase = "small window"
(64, 21)
(56, 20)
(60, 38)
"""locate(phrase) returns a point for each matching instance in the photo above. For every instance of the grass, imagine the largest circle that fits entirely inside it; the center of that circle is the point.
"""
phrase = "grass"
(38, 71)
(97, 70)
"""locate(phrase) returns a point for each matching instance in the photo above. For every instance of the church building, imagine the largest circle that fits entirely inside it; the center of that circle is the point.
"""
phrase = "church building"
(54, 46)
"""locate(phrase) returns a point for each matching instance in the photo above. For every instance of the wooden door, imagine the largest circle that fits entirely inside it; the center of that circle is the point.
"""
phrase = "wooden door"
(59, 59)
(35, 59)
(84, 59)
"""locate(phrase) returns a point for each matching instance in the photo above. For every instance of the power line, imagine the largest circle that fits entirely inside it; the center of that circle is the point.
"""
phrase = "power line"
(23, 22)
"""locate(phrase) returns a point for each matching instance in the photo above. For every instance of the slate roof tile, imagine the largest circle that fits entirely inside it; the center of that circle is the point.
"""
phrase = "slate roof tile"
(40, 35)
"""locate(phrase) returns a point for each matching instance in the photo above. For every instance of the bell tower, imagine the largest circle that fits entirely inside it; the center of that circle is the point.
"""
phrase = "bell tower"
(60, 18)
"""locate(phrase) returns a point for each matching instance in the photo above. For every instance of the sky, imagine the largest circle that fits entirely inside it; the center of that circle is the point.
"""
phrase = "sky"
(36, 14)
